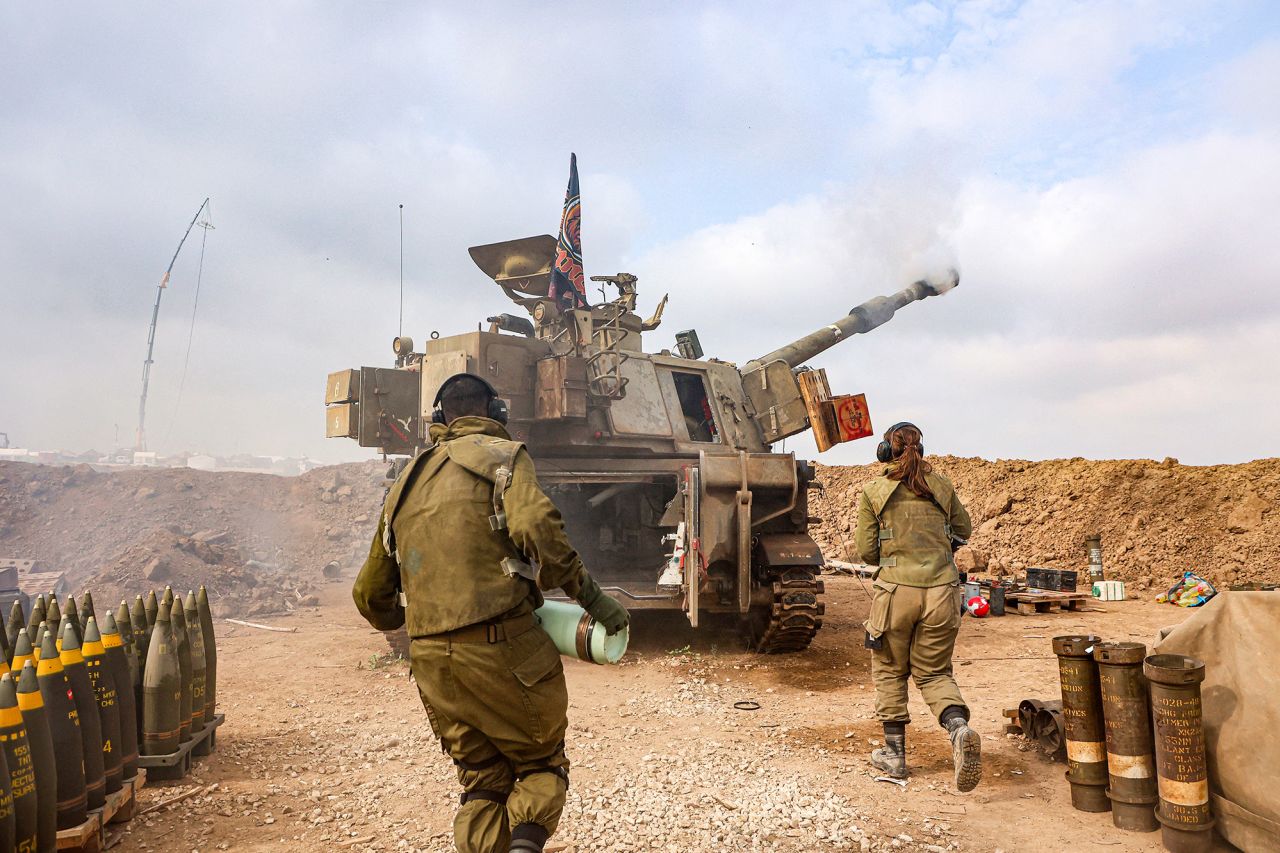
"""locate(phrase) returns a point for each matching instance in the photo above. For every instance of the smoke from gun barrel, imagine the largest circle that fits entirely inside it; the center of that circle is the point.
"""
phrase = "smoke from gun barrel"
(873, 313)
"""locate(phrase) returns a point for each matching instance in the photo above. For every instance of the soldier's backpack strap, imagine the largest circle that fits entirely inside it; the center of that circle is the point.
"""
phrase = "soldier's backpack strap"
(493, 459)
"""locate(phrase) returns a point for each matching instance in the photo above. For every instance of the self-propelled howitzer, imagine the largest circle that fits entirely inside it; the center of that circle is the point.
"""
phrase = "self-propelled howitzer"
(661, 463)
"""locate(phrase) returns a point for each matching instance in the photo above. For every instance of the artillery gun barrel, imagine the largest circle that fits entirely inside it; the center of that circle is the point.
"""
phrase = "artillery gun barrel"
(873, 313)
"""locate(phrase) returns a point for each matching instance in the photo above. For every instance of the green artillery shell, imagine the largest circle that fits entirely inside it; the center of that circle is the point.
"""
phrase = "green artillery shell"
(119, 663)
(64, 728)
(1182, 774)
(166, 600)
(22, 771)
(141, 638)
(103, 681)
(52, 620)
(21, 654)
(1130, 750)
(161, 692)
(151, 608)
(31, 704)
(95, 778)
(210, 655)
(195, 640)
(34, 618)
(182, 641)
(1082, 714)
(7, 817)
(17, 622)
(70, 616)
(86, 610)
(124, 627)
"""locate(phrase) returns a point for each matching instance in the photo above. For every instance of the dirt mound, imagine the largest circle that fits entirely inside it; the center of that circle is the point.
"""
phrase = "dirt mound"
(257, 541)
(1157, 519)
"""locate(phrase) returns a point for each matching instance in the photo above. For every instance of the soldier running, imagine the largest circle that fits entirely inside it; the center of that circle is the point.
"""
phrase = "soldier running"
(909, 521)
(454, 561)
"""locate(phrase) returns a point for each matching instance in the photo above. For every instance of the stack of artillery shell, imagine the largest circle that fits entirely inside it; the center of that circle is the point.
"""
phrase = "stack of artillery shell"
(1126, 708)
(64, 729)
(118, 662)
(43, 757)
(102, 683)
(1082, 716)
(86, 704)
(17, 756)
(1182, 772)
(161, 690)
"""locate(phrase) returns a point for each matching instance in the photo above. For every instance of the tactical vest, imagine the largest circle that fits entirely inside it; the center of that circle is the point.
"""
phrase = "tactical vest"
(914, 532)
(457, 564)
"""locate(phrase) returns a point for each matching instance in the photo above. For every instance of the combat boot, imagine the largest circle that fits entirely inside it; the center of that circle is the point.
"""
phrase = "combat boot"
(528, 838)
(891, 759)
(966, 752)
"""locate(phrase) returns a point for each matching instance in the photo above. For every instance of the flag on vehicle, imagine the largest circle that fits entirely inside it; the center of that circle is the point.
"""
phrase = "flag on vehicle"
(566, 273)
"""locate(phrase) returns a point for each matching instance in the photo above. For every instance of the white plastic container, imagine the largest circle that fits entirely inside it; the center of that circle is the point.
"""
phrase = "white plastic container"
(1108, 590)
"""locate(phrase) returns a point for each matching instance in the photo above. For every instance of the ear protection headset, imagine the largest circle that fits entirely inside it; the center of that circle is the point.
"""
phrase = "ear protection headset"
(497, 406)
(884, 450)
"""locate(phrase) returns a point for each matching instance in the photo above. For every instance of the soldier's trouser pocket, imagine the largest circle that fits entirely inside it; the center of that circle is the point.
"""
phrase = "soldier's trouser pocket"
(881, 607)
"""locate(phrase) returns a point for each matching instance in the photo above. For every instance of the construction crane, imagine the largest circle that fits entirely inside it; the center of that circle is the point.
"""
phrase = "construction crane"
(141, 440)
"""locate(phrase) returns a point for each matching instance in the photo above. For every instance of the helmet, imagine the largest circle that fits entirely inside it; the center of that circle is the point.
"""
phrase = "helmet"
(977, 606)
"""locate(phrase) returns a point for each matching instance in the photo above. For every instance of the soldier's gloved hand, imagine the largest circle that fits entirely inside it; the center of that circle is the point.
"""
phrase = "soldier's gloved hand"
(609, 613)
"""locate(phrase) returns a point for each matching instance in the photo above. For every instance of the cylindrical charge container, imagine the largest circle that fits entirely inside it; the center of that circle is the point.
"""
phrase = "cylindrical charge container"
(1082, 716)
(577, 635)
(1126, 708)
(1182, 773)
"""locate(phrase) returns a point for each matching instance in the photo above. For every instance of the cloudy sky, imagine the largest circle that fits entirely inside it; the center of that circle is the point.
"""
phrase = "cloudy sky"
(1105, 175)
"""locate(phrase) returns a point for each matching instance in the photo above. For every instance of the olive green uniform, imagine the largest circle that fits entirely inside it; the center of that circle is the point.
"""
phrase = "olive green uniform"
(490, 678)
(916, 597)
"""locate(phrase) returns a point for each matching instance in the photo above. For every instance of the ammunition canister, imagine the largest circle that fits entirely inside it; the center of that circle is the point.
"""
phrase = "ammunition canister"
(1181, 770)
(43, 758)
(195, 641)
(151, 608)
(22, 770)
(181, 642)
(86, 702)
(1126, 708)
(161, 692)
(1082, 718)
(118, 661)
(64, 728)
(210, 655)
(103, 683)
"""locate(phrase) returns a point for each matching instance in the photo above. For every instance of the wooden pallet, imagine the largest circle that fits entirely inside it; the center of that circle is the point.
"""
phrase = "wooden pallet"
(120, 806)
(1032, 601)
(176, 765)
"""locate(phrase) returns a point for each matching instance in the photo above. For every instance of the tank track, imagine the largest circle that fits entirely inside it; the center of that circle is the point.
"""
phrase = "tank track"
(789, 623)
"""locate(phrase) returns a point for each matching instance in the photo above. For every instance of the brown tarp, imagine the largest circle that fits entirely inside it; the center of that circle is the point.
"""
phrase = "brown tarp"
(1237, 635)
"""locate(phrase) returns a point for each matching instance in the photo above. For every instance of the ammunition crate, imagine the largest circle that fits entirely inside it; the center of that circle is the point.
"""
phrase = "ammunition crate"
(1059, 580)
